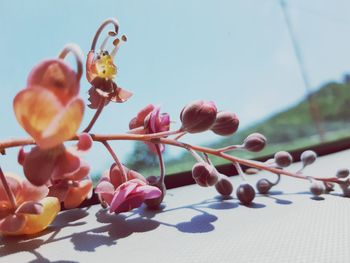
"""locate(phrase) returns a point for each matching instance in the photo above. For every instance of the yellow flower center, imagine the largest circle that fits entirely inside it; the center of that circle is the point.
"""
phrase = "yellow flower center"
(104, 66)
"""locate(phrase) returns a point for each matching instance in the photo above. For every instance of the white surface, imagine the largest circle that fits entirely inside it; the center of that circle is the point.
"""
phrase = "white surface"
(196, 226)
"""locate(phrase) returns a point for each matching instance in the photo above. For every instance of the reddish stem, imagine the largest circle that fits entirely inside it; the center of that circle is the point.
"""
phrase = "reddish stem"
(116, 159)
(7, 189)
(100, 107)
(157, 138)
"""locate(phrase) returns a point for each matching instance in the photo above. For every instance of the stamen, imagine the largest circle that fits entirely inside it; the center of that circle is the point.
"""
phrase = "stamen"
(104, 43)
(78, 54)
(100, 29)
(117, 43)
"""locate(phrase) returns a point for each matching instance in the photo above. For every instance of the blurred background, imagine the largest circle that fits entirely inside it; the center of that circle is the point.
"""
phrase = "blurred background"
(282, 66)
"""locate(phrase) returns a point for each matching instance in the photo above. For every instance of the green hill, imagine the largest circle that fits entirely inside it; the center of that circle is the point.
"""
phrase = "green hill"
(289, 129)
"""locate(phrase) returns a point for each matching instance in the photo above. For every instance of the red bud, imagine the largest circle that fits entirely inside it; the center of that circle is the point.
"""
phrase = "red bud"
(226, 123)
(204, 174)
(198, 116)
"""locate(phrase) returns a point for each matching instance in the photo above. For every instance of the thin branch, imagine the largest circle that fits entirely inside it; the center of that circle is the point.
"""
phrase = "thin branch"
(7, 189)
(100, 107)
(161, 163)
(116, 159)
(158, 136)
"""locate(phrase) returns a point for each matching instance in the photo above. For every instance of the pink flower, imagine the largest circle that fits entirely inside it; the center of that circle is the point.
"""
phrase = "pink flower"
(149, 120)
(128, 195)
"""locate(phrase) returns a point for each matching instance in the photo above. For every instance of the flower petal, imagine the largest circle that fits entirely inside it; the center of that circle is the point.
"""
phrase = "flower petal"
(149, 192)
(104, 187)
(30, 207)
(12, 223)
(56, 76)
(130, 203)
(39, 165)
(35, 108)
(33, 193)
(65, 124)
(67, 163)
(37, 223)
(139, 119)
(59, 190)
(121, 95)
(77, 194)
(95, 98)
(121, 193)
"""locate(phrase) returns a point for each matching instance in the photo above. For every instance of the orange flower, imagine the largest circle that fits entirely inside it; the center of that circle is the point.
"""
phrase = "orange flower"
(49, 109)
(32, 211)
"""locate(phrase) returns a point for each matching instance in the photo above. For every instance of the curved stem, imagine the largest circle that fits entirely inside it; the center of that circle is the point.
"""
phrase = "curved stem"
(182, 133)
(195, 155)
(240, 171)
(161, 163)
(7, 189)
(78, 54)
(116, 159)
(100, 107)
(230, 148)
(278, 179)
(113, 21)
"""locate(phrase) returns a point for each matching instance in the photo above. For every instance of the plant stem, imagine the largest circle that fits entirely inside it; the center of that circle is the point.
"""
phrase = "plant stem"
(161, 163)
(100, 107)
(7, 189)
(195, 155)
(157, 138)
(116, 159)
(240, 171)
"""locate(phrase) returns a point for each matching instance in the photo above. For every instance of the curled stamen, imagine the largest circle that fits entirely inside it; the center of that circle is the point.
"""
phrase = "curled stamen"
(104, 43)
(117, 43)
(78, 54)
(100, 29)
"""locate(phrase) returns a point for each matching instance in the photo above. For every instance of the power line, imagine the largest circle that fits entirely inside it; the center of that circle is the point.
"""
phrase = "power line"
(313, 106)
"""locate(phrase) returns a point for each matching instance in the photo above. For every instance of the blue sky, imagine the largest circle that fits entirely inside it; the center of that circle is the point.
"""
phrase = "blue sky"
(236, 53)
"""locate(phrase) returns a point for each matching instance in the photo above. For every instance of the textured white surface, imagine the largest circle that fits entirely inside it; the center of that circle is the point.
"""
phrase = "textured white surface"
(196, 226)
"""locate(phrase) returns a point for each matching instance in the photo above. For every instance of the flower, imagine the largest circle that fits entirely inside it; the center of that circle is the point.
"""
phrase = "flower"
(101, 71)
(149, 120)
(128, 195)
(32, 212)
(48, 108)
(122, 196)
(61, 169)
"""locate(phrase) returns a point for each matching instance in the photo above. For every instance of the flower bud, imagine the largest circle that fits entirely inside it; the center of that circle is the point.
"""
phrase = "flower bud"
(198, 116)
(346, 191)
(226, 123)
(255, 142)
(283, 159)
(224, 186)
(342, 173)
(263, 186)
(317, 188)
(204, 174)
(155, 202)
(308, 157)
(245, 193)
